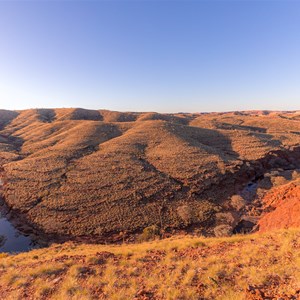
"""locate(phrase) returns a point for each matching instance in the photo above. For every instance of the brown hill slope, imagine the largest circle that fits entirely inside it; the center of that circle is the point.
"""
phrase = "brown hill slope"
(76, 172)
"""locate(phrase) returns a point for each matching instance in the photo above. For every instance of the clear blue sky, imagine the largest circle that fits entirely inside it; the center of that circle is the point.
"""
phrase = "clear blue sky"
(162, 56)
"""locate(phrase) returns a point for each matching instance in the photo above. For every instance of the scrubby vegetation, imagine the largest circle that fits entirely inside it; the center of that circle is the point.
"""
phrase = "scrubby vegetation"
(78, 173)
(75, 174)
(251, 266)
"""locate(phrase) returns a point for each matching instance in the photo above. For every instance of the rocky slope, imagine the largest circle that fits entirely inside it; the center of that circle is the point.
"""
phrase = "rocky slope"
(251, 267)
(282, 207)
(102, 175)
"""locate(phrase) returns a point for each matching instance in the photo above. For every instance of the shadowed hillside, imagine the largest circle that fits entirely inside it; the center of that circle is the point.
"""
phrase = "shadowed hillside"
(102, 175)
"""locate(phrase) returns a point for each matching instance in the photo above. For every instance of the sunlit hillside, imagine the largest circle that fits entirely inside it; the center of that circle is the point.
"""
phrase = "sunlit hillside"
(102, 175)
(259, 266)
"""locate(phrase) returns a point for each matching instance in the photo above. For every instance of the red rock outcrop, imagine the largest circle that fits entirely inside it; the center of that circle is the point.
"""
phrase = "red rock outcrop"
(283, 204)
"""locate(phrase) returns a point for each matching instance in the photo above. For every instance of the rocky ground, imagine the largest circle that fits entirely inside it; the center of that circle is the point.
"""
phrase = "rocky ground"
(282, 207)
(253, 267)
(107, 176)
(102, 176)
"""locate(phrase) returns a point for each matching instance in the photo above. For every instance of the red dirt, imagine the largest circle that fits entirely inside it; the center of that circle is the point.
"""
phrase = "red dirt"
(284, 201)
(79, 173)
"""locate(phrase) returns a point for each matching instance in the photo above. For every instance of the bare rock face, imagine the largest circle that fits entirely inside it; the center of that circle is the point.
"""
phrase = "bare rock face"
(87, 173)
(282, 207)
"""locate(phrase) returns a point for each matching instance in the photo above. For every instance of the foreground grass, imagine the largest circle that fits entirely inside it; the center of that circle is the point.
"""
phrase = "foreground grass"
(176, 268)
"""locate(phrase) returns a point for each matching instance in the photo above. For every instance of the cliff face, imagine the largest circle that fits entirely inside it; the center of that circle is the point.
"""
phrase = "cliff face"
(76, 172)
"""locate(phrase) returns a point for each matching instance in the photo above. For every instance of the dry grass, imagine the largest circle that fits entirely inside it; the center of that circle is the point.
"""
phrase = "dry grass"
(119, 172)
(176, 268)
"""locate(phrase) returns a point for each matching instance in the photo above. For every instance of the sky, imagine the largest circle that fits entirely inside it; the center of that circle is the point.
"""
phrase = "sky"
(165, 56)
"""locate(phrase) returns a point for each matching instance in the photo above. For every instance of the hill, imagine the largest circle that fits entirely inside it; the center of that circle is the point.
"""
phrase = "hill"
(107, 176)
(252, 267)
(283, 207)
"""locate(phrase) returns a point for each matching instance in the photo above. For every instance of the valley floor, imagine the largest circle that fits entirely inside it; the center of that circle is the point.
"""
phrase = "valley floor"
(256, 266)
